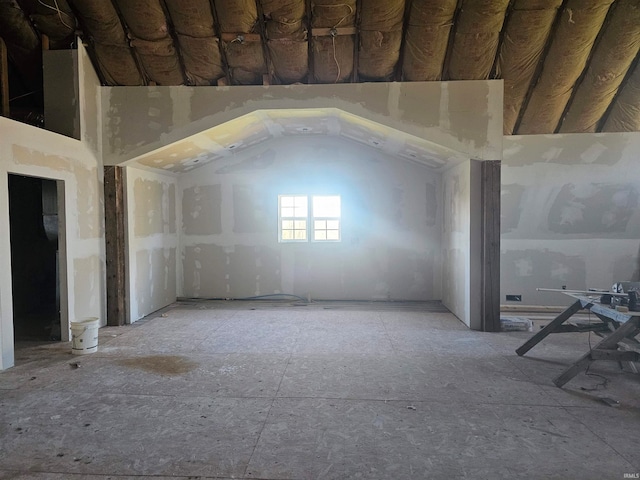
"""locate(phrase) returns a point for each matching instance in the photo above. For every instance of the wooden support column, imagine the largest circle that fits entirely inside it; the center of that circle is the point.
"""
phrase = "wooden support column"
(4, 80)
(490, 192)
(115, 245)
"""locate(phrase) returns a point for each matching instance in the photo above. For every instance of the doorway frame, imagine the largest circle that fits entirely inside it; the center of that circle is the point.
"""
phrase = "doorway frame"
(7, 337)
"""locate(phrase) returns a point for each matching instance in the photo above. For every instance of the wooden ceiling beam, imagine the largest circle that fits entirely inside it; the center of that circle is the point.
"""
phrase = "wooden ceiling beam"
(310, 73)
(405, 24)
(223, 54)
(267, 77)
(355, 77)
(4, 80)
(452, 34)
(507, 16)
(538, 72)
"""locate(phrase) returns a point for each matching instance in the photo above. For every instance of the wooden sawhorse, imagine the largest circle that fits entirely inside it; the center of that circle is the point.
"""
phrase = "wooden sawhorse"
(618, 329)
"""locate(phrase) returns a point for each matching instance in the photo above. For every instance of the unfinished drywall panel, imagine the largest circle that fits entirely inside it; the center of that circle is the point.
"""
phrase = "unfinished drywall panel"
(465, 116)
(461, 242)
(570, 214)
(390, 214)
(152, 241)
(90, 103)
(61, 109)
(26, 150)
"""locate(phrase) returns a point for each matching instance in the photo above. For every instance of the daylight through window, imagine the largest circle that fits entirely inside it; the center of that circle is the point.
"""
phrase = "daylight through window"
(304, 218)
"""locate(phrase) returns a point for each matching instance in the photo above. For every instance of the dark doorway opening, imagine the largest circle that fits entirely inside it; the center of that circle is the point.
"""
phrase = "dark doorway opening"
(33, 221)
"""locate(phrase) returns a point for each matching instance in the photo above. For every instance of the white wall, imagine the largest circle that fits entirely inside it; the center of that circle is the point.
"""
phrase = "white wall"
(570, 213)
(152, 241)
(27, 150)
(465, 116)
(461, 247)
(391, 224)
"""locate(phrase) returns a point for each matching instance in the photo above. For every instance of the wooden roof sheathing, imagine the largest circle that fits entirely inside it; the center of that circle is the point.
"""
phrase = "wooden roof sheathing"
(108, 42)
(194, 26)
(625, 113)
(381, 25)
(525, 36)
(426, 39)
(611, 59)
(576, 33)
(476, 39)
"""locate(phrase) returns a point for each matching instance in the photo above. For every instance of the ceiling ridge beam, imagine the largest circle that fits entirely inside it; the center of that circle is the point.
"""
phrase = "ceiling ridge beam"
(538, 71)
(405, 24)
(580, 79)
(452, 34)
(632, 68)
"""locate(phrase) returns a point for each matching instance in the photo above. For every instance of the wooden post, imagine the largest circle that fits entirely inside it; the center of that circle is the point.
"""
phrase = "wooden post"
(115, 245)
(490, 246)
(4, 80)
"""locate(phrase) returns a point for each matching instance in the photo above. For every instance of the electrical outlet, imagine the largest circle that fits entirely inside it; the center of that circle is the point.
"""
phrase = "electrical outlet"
(514, 298)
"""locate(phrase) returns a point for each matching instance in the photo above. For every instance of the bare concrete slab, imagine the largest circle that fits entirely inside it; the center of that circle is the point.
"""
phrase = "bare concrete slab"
(288, 391)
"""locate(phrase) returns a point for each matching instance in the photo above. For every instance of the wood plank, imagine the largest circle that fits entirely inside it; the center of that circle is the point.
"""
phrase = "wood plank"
(327, 32)
(242, 37)
(115, 245)
(549, 329)
(4, 80)
(490, 191)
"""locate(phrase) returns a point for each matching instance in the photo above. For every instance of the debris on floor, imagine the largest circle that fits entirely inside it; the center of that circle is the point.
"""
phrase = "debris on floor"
(516, 324)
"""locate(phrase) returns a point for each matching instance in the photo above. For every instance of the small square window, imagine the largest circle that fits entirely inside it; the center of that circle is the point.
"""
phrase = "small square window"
(296, 218)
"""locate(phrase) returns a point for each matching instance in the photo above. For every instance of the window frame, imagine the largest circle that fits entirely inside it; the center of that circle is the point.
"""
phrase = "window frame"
(310, 220)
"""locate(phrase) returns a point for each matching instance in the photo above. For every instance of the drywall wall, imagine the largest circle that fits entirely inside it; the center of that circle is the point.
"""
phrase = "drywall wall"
(61, 109)
(461, 242)
(391, 224)
(152, 241)
(30, 151)
(464, 116)
(570, 213)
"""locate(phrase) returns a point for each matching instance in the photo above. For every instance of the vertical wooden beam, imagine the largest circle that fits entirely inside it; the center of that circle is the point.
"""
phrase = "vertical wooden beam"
(115, 245)
(4, 80)
(490, 192)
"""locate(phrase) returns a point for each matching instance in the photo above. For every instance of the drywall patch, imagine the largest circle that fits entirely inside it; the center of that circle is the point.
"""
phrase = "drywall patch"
(250, 210)
(465, 120)
(595, 208)
(260, 161)
(27, 156)
(411, 277)
(148, 198)
(201, 210)
(254, 271)
(155, 279)
(128, 128)
(431, 204)
(205, 271)
(87, 294)
(531, 269)
(88, 203)
(412, 106)
(172, 208)
(510, 206)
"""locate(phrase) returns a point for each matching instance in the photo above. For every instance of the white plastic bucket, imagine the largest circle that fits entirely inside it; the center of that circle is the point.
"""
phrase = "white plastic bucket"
(84, 336)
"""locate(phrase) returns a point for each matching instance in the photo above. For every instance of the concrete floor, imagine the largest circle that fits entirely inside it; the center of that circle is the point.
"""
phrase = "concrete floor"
(331, 391)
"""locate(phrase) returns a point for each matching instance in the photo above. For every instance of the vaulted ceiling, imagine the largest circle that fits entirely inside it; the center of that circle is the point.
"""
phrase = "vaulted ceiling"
(567, 65)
